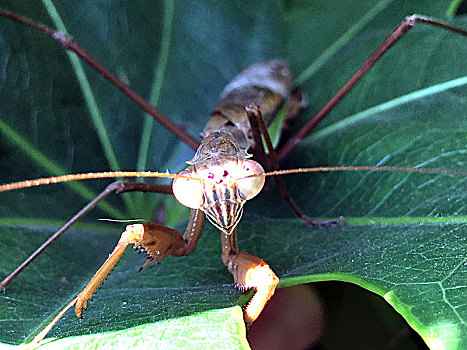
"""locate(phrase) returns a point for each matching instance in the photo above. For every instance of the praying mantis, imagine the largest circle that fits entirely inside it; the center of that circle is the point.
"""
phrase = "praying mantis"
(345, 154)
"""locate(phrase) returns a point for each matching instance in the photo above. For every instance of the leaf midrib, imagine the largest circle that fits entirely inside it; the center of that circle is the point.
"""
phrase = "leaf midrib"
(386, 106)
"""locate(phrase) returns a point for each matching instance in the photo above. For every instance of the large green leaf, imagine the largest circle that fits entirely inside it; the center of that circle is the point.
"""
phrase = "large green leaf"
(406, 233)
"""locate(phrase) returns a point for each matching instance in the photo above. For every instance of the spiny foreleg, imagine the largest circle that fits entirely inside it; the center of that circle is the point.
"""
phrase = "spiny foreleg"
(249, 272)
(156, 240)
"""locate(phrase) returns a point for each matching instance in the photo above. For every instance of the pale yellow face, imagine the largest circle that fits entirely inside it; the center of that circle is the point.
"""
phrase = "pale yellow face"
(220, 188)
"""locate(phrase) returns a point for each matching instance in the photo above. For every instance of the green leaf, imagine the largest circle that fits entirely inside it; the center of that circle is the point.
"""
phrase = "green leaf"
(406, 234)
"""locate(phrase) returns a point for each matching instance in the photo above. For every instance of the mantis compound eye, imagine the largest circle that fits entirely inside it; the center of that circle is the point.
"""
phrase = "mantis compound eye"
(189, 192)
(249, 187)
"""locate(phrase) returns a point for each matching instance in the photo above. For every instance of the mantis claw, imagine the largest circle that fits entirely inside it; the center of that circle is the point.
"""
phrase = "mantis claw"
(157, 241)
(250, 272)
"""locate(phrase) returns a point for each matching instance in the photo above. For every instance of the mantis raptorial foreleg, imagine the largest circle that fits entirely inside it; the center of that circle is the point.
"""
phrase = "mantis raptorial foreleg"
(249, 272)
(157, 241)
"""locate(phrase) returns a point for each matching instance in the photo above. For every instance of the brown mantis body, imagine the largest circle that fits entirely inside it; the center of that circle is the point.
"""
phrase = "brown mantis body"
(175, 253)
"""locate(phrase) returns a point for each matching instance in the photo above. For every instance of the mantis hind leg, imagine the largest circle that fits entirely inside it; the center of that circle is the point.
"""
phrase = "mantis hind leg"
(259, 128)
(117, 186)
